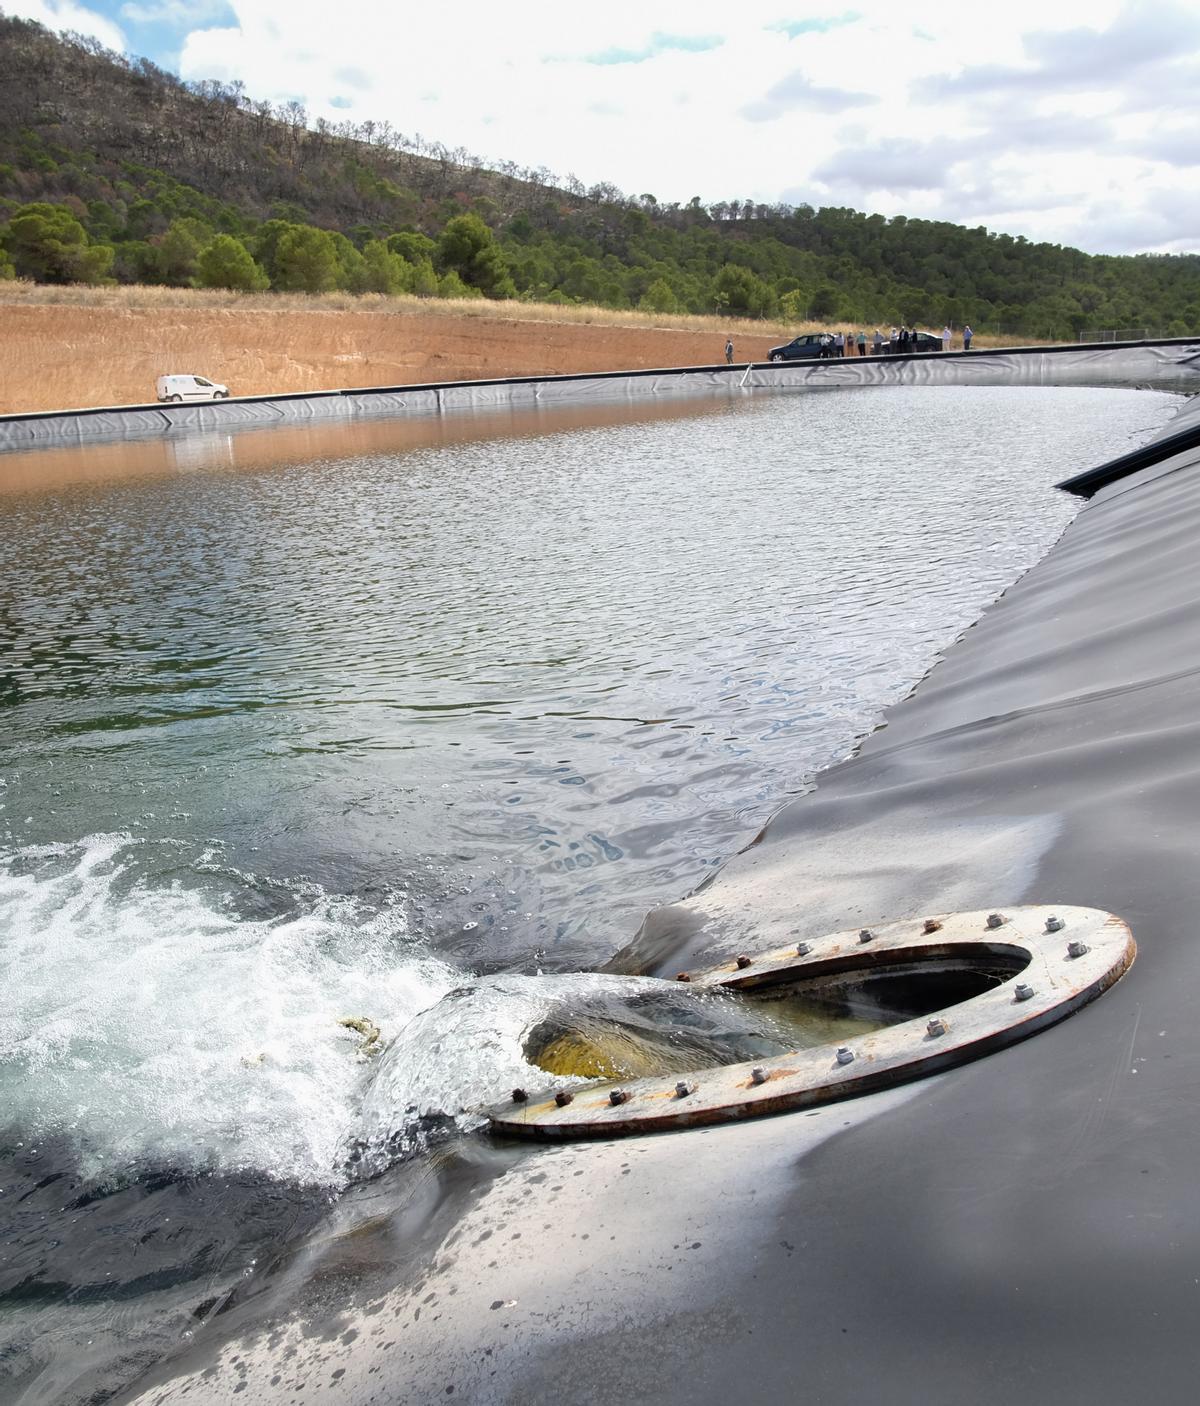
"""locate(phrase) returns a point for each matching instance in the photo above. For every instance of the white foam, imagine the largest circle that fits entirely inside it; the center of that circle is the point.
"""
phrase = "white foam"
(467, 1051)
(134, 1017)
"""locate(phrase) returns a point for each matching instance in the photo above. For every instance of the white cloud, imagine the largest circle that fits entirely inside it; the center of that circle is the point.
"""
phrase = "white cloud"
(65, 15)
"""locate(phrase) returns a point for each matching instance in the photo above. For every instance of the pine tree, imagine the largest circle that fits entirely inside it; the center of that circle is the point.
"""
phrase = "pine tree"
(226, 263)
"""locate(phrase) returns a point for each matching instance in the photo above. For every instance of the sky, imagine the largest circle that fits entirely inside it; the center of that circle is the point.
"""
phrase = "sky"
(1071, 122)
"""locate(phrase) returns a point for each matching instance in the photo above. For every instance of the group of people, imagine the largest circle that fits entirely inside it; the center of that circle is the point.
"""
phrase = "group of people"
(901, 341)
(908, 338)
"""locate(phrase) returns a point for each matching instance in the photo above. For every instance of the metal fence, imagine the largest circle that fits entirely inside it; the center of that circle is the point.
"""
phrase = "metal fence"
(1121, 334)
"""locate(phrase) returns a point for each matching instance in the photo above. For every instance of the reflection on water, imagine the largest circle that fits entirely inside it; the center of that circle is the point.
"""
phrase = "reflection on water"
(389, 720)
(52, 469)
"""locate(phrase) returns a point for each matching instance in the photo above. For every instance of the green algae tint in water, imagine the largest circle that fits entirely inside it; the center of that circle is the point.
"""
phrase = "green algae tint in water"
(389, 720)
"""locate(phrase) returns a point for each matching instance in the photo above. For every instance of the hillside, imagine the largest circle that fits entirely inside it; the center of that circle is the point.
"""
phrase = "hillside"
(113, 170)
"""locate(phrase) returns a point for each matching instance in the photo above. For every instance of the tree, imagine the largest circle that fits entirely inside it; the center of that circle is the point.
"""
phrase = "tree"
(136, 261)
(824, 303)
(226, 263)
(425, 281)
(179, 249)
(794, 305)
(306, 260)
(386, 272)
(739, 290)
(659, 298)
(47, 243)
(451, 286)
(352, 267)
(412, 247)
(266, 245)
(470, 249)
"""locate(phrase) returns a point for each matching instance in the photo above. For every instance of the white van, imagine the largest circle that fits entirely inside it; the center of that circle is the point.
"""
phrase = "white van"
(177, 388)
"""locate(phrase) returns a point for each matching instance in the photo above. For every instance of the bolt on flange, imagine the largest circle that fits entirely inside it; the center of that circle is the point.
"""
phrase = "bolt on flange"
(1056, 983)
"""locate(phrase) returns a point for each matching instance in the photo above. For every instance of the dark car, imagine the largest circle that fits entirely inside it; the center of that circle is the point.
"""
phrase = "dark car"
(808, 344)
(925, 342)
(917, 342)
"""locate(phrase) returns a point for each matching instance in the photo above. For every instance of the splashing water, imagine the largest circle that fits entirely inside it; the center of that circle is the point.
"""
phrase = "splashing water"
(150, 1025)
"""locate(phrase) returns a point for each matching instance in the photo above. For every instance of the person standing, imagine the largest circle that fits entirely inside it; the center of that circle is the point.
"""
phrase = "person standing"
(946, 338)
(967, 335)
(862, 344)
(877, 343)
(728, 351)
(839, 343)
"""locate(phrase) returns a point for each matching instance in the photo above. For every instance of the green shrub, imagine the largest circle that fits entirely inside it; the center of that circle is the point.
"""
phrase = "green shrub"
(225, 262)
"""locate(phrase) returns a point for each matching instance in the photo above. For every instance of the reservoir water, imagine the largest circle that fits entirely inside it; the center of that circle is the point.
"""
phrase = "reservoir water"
(414, 721)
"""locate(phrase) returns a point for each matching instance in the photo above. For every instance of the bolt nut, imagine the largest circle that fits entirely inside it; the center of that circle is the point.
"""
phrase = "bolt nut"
(1054, 924)
(1077, 949)
(617, 1096)
(995, 920)
(845, 1054)
(936, 1027)
(1023, 991)
(742, 961)
(865, 935)
(683, 976)
(758, 1075)
(932, 925)
(563, 1097)
(683, 1088)
(520, 1096)
(803, 949)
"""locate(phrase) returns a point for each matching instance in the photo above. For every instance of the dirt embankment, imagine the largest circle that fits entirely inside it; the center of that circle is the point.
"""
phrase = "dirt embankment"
(59, 355)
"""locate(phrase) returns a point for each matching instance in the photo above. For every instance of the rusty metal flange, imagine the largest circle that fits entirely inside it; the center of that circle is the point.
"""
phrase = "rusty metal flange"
(1070, 956)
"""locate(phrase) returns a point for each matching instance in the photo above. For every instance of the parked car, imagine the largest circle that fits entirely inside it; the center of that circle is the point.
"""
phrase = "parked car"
(177, 388)
(925, 342)
(917, 342)
(808, 344)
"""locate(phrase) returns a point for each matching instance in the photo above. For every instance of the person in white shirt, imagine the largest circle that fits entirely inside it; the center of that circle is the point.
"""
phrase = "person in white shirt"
(946, 338)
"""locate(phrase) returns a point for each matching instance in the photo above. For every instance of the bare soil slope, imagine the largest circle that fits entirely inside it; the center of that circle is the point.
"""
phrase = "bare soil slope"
(62, 355)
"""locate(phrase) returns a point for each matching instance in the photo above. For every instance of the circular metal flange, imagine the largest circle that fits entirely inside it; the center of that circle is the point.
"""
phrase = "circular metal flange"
(1070, 955)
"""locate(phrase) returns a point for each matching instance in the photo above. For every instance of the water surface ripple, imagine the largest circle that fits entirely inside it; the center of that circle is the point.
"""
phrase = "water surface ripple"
(300, 725)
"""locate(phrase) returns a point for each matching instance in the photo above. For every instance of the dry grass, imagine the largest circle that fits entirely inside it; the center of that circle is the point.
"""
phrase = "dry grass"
(145, 297)
(76, 346)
